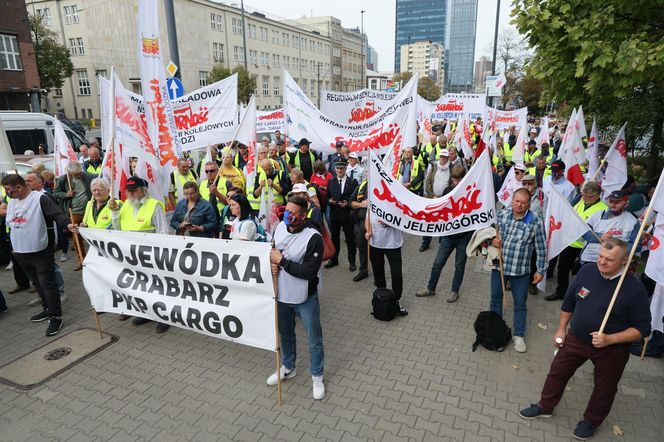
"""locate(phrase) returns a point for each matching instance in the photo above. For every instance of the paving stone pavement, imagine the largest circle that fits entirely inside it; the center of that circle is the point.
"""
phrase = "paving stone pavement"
(414, 378)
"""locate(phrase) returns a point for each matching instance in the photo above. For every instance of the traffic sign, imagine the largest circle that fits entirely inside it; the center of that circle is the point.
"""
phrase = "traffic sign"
(172, 68)
(175, 88)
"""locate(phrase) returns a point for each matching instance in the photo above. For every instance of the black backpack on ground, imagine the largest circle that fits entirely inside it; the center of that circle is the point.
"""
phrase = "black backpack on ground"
(492, 332)
(385, 305)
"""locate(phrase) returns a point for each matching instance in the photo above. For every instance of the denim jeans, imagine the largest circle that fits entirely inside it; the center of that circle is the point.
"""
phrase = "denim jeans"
(519, 285)
(447, 245)
(309, 313)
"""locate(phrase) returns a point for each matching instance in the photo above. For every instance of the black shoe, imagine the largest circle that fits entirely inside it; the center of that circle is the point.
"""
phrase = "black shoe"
(352, 267)
(584, 430)
(402, 311)
(331, 264)
(423, 248)
(555, 296)
(162, 328)
(140, 321)
(54, 326)
(360, 276)
(39, 317)
(533, 412)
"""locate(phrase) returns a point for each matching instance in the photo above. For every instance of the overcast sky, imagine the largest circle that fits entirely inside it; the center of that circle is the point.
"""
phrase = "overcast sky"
(379, 20)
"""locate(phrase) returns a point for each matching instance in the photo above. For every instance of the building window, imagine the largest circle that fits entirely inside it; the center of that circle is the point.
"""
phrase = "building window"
(253, 57)
(276, 83)
(71, 14)
(264, 58)
(252, 31)
(266, 86)
(275, 60)
(263, 34)
(285, 39)
(10, 58)
(57, 92)
(304, 85)
(203, 78)
(216, 22)
(275, 37)
(45, 15)
(76, 46)
(238, 53)
(83, 82)
(313, 88)
(101, 73)
(237, 26)
(296, 42)
(218, 52)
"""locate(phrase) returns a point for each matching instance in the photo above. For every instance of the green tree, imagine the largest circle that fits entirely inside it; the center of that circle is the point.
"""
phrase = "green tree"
(246, 84)
(53, 59)
(511, 59)
(607, 55)
(530, 92)
(426, 87)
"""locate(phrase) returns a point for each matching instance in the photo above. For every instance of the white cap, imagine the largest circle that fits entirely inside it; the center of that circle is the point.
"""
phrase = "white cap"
(534, 129)
(299, 188)
(353, 155)
(520, 166)
(444, 153)
(312, 192)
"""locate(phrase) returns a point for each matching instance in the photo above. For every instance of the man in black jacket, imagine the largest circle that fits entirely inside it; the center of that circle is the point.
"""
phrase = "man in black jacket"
(339, 193)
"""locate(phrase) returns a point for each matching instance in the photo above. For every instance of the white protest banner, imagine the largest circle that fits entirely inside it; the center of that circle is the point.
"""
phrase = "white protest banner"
(270, 121)
(454, 106)
(354, 107)
(63, 151)
(218, 288)
(503, 119)
(388, 128)
(510, 184)
(469, 206)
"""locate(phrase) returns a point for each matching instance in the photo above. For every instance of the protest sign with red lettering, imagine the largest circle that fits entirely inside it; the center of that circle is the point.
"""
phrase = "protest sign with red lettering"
(270, 121)
(454, 106)
(394, 125)
(354, 107)
(503, 119)
(469, 206)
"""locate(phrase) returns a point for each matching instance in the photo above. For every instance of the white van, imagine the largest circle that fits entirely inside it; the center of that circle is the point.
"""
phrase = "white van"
(27, 130)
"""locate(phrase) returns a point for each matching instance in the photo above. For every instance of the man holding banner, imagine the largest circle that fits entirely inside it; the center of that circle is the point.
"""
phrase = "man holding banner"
(296, 259)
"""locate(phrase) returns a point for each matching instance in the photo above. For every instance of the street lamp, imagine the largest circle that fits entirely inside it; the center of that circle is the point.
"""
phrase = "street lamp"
(363, 63)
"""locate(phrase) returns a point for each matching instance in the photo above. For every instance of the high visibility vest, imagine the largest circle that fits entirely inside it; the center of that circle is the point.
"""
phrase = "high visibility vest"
(278, 198)
(104, 217)
(142, 222)
(94, 170)
(533, 171)
(585, 214)
(530, 157)
(236, 161)
(312, 157)
(178, 180)
(413, 173)
(253, 201)
(507, 151)
(204, 190)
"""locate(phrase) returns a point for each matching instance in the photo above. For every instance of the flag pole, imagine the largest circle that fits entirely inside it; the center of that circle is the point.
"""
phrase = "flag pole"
(599, 169)
(635, 246)
(645, 345)
(111, 142)
(277, 353)
(501, 267)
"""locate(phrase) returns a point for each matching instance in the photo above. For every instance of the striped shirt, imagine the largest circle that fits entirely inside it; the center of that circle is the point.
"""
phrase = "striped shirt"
(519, 237)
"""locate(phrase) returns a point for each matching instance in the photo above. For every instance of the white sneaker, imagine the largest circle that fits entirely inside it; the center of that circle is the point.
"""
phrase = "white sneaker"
(285, 374)
(319, 387)
(64, 257)
(10, 266)
(63, 298)
(519, 344)
(36, 301)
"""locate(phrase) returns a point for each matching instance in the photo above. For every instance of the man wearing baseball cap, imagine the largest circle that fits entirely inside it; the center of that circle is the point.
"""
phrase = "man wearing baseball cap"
(354, 171)
(139, 213)
(558, 180)
(336, 156)
(614, 222)
(303, 159)
(313, 213)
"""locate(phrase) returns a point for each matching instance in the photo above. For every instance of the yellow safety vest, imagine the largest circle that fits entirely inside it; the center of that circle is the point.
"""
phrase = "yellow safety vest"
(253, 201)
(178, 181)
(142, 222)
(278, 198)
(94, 170)
(507, 151)
(204, 190)
(104, 219)
(413, 174)
(533, 171)
(530, 157)
(312, 158)
(585, 214)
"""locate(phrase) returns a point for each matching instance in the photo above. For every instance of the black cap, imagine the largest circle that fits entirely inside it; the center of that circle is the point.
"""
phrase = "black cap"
(135, 182)
(304, 141)
(341, 163)
(617, 195)
(557, 165)
(339, 144)
(533, 142)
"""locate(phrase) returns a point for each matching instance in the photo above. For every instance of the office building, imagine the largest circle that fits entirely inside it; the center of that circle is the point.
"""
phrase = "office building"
(419, 20)
(461, 46)
(425, 57)
(483, 67)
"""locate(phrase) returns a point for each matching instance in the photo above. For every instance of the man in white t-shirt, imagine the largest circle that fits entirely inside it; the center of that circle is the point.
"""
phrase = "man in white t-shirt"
(557, 179)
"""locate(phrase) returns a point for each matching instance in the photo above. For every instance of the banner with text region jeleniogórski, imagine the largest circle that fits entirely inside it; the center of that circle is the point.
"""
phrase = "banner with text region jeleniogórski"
(218, 288)
(469, 206)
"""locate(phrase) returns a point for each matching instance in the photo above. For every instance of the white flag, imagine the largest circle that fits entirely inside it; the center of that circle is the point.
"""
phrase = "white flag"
(462, 137)
(63, 152)
(655, 264)
(510, 184)
(543, 136)
(615, 175)
(580, 123)
(562, 225)
(500, 81)
(246, 134)
(593, 151)
(521, 141)
(657, 308)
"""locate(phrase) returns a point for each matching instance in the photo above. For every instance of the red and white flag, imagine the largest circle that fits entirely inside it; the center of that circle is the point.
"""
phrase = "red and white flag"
(500, 81)
(572, 152)
(63, 152)
(543, 136)
(615, 174)
(521, 142)
(246, 134)
(593, 152)
(159, 111)
(562, 225)
(580, 123)
(510, 184)
(655, 264)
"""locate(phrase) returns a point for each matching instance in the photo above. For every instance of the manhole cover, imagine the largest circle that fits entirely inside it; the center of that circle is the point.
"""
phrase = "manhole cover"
(57, 353)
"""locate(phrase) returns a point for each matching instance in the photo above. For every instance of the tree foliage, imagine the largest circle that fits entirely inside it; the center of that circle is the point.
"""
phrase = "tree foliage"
(529, 90)
(512, 56)
(246, 84)
(53, 59)
(607, 55)
(426, 87)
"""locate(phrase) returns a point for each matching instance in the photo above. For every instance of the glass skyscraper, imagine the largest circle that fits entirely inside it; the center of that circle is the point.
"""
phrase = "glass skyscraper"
(460, 46)
(420, 20)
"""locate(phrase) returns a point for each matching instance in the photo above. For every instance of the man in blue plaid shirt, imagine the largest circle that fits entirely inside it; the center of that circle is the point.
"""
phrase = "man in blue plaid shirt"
(520, 231)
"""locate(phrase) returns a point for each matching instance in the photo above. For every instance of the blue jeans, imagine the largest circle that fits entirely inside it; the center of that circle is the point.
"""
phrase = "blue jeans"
(519, 285)
(309, 312)
(447, 245)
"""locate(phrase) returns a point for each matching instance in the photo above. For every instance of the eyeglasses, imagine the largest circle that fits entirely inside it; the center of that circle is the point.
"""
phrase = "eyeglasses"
(518, 171)
(210, 170)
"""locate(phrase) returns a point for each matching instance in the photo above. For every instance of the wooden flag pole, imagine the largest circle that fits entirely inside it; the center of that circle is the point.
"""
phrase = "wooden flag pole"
(500, 265)
(645, 345)
(277, 353)
(599, 169)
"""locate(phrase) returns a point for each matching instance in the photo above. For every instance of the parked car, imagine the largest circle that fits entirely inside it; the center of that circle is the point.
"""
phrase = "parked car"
(27, 130)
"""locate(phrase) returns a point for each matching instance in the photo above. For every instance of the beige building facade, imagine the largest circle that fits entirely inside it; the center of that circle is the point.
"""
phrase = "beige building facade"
(424, 57)
(102, 33)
